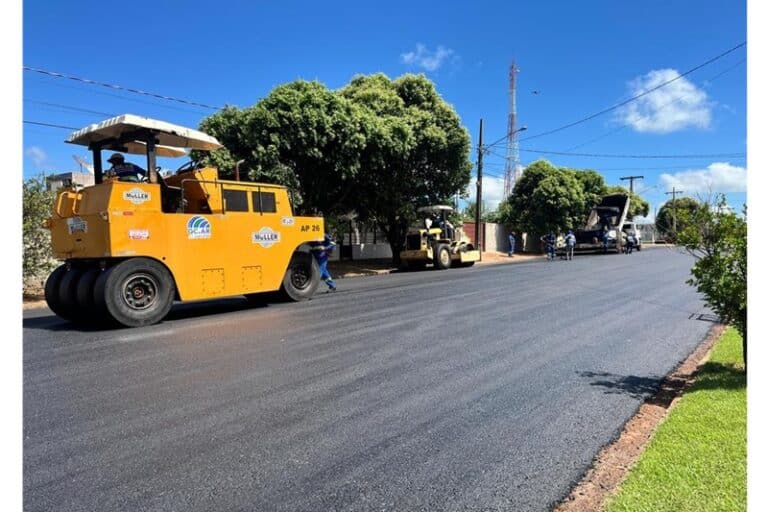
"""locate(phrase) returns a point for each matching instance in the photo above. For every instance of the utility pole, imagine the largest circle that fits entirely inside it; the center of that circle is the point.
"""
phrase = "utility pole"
(479, 195)
(632, 181)
(674, 212)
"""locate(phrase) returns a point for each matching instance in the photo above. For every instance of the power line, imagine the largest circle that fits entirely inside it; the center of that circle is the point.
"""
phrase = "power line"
(634, 98)
(644, 93)
(646, 189)
(50, 125)
(119, 87)
(664, 168)
(626, 125)
(126, 98)
(68, 107)
(600, 155)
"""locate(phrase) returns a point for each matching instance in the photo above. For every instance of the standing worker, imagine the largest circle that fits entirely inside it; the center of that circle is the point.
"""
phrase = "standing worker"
(549, 244)
(570, 244)
(511, 243)
(321, 251)
(630, 243)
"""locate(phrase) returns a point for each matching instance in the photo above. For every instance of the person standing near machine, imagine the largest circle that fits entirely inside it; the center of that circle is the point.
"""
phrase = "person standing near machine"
(549, 245)
(570, 244)
(321, 251)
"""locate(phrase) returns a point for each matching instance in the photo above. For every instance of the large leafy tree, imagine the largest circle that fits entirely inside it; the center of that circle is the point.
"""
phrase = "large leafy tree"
(593, 186)
(638, 207)
(378, 147)
(676, 214)
(417, 153)
(302, 135)
(718, 241)
(546, 198)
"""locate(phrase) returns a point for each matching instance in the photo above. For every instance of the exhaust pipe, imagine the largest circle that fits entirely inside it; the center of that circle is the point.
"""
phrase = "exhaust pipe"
(237, 169)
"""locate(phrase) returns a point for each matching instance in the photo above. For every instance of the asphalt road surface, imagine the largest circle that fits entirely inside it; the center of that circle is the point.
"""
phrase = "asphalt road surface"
(485, 388)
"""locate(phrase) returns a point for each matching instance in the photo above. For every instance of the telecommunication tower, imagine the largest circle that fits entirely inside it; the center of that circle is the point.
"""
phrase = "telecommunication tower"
(512, 169)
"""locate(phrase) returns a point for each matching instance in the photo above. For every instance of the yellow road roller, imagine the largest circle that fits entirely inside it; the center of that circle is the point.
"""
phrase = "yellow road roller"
(133, 244)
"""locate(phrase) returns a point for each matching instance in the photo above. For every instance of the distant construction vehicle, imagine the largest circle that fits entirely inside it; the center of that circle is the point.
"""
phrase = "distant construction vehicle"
(130, 248)
(436, 241)
(603, 229)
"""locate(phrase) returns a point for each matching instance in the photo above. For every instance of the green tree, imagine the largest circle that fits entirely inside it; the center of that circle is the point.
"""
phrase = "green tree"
(593, 186)
(37, 203)
(674, 214)
(545, 198)
(718, 241)
(301, 135)
(638, 207)
(469, 213)
(377, 147)
(417, 152)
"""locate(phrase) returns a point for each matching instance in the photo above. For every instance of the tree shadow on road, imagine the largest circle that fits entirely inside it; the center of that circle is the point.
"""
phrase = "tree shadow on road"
(658, 390)
(705, 317)
(632, 385)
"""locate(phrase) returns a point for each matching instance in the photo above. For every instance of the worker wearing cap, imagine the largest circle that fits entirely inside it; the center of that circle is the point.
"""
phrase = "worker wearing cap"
(124, 171)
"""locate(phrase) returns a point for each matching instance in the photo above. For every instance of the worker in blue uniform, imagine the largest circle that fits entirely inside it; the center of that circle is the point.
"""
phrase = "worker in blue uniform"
(321, 251)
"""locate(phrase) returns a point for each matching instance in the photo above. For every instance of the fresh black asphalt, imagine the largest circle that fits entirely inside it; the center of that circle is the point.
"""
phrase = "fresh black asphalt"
(485, 388)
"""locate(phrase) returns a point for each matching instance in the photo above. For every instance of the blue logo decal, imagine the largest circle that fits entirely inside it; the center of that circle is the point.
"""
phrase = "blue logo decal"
(198, 227)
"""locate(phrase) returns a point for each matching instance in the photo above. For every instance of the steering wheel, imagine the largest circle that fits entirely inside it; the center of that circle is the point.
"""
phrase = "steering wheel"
(189, 166)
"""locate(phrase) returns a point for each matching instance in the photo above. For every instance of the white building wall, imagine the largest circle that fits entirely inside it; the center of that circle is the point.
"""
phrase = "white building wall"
(371, 251)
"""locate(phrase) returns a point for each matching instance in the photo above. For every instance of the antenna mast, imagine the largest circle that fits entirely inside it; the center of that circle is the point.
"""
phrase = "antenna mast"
(513, 147)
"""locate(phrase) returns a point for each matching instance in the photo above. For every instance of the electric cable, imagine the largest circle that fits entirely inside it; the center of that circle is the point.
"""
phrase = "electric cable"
(49, 125)
(119, 87)
(626, 125)
(603, 155)
(123, 97)
(625, 102)
(67, 107)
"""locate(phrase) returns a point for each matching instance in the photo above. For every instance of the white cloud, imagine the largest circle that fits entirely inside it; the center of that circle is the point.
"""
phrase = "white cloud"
(717, 177)
(493, 192)
(673, 107)
(424, 58)
(38, 156)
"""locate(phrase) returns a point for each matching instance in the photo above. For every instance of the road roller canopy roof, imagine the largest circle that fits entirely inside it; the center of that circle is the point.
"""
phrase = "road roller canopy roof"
(116, 133)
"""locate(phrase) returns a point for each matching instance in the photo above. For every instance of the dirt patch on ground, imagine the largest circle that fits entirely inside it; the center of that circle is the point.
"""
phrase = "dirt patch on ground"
(33, 295)
(614, 461)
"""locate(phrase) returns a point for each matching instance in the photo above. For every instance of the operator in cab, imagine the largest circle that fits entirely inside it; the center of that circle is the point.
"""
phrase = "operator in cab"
(124, 171)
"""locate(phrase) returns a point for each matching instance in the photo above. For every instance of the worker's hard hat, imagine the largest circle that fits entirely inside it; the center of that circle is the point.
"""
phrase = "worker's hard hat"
(116, 157)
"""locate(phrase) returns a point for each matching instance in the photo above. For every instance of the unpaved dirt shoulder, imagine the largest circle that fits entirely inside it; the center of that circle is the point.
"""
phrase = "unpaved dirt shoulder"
(615, 460)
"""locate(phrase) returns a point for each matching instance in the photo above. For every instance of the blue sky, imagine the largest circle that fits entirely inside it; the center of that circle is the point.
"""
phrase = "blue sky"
(581, 57)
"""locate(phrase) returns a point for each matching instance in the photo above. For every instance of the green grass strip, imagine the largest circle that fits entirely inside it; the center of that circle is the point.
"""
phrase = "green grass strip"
(697, 461)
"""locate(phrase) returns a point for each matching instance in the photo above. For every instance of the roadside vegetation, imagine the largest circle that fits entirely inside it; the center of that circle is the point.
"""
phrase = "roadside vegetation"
(37, 257)
(697, 461)
(717, 239)
(549, 198)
